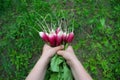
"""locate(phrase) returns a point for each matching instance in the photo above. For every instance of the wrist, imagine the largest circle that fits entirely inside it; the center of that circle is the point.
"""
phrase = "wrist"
(45, 59)
(73, 62)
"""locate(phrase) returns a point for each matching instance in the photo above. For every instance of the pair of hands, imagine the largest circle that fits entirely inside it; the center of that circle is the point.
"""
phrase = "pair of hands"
(68, 54)
(38, 72)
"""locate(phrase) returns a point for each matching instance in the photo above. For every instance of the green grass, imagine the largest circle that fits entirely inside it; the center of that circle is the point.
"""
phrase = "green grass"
(96, 43)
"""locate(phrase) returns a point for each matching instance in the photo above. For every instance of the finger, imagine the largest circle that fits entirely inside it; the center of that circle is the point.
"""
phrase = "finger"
(46, 46)
(60, 53)
(59, 47)
(69, 48)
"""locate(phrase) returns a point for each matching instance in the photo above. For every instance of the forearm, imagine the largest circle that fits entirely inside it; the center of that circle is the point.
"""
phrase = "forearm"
(39, 70)
(78, 70)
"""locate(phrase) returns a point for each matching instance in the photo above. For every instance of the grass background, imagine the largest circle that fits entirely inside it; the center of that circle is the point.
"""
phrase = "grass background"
(96, 43)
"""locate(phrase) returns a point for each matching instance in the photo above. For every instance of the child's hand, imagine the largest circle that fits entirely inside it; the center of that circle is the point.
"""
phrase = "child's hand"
(48, 51)
(68, 54)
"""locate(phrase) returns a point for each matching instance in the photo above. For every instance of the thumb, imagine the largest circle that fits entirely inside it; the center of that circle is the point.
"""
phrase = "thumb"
(61, 53)
(59, 47)
(69, 49)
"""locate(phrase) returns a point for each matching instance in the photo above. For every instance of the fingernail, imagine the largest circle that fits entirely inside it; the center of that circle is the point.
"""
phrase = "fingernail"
(62, 46)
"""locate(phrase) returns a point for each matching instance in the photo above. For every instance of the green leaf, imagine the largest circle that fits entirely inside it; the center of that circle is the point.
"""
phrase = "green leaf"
(54, 76)
(102, 21)
(55, 62)
(67, 75)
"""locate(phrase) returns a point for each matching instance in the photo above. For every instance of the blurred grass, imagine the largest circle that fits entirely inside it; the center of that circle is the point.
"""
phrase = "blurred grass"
(96, 43)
